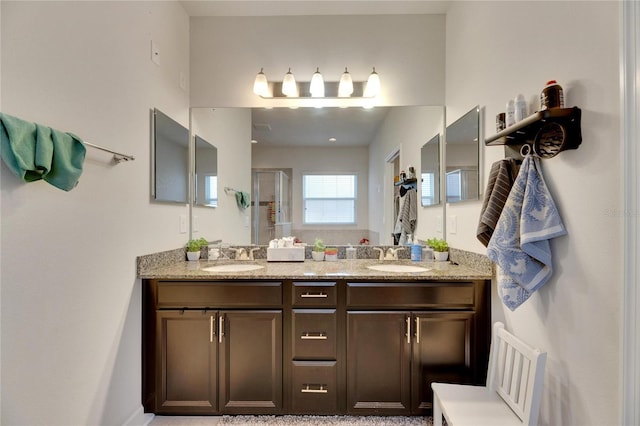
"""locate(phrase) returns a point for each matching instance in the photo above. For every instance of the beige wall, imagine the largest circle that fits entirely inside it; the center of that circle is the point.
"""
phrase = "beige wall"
(71, 303)
(496, 50)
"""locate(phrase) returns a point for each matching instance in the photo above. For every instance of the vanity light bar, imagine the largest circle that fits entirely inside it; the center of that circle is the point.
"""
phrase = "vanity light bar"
(317, 88)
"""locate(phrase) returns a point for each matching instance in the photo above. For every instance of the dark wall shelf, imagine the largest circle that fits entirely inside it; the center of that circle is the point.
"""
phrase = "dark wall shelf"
(555, 129)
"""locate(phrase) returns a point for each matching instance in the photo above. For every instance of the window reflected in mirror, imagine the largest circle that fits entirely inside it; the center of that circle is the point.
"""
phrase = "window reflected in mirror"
(462, 158)
(170, 173)
(206, 173)
(430, 172)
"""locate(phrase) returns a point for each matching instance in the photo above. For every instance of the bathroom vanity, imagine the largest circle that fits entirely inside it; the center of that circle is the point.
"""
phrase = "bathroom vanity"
(310, 337)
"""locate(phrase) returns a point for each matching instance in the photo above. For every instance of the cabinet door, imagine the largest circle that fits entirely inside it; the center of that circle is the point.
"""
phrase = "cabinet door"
(186, 362)
(442, 352)
(378, 362)
(250, 362)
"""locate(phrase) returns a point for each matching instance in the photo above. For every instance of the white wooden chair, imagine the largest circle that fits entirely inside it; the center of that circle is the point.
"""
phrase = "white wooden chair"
(513, 392)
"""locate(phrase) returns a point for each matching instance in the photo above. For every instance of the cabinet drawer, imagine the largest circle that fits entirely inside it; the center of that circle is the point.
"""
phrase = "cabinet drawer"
(314, 387)
(315, 294)
(176, 294)
(445, 295)
(314, 334)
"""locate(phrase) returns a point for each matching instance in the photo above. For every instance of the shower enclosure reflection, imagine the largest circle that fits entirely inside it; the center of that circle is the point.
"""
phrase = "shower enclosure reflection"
(271, 205)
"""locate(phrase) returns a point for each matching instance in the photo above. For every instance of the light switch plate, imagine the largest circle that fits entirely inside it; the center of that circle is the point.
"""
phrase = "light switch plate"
(453, 224)
(183, 223)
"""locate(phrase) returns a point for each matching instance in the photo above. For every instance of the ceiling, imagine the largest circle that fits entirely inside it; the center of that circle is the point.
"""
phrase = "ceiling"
(313, 7)
(314, 126)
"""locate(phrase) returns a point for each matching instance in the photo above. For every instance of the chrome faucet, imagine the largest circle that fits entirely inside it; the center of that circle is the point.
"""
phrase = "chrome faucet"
(241, 253)
(251, 257)
(392, 254)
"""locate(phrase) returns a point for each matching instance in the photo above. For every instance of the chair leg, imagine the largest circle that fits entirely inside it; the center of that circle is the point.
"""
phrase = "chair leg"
(437, 411)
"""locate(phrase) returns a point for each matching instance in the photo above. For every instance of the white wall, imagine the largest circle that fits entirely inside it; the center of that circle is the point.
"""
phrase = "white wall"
(406, 129)
(70, 298)
(228, 52)
(496, 50)
(302, 160)
(233, 140)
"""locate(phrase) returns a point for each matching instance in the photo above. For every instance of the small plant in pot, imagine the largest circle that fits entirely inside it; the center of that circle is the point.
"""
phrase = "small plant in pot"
(317, 252)
(193, 248)
(440, 248)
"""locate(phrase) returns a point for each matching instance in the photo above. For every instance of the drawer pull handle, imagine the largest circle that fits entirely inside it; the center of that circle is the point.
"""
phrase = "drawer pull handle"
(320, 389)
(212, 328)
(314, 295)
(310, 336)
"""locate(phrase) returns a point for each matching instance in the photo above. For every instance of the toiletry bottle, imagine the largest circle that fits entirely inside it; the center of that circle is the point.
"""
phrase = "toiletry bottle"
(520, 108)
(416, 251)
(351, 252)
(510, 118)
(552, 96)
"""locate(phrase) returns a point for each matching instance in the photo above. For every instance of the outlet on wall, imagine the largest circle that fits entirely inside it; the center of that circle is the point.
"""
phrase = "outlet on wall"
(155, 53)
(183, 223)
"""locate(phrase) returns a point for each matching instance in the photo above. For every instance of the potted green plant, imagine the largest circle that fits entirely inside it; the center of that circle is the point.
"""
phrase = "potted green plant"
(317, 252)
(194, 246)
(440, 248)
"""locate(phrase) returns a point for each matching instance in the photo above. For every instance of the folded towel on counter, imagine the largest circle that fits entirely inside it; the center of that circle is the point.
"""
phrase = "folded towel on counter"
(33, 152)
(520, 243)
(243, 199)
(503, 174)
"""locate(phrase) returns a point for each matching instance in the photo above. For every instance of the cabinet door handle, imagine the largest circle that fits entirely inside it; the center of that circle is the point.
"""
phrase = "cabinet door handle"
(320, 295)
(221, 329)
(408, 329)
(212, 328)
(417, 329)
(314, 336)
(319, 389)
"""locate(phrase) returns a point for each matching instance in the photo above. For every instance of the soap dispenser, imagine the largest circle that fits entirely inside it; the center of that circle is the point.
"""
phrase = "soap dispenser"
(416, 251)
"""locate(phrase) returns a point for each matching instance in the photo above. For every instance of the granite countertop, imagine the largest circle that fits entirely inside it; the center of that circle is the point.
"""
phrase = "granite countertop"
(309, 269)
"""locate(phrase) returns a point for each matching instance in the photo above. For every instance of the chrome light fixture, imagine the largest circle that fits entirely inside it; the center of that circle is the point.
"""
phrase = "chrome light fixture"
(316, 88)
(345, 87)
(373, 85)
(261, 85)
(289, 85)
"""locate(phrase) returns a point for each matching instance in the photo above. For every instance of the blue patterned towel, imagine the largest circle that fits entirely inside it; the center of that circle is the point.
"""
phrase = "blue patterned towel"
(520, 243)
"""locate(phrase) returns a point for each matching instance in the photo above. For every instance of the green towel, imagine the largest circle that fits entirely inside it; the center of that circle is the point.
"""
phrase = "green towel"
(243, 199)
(33, 152)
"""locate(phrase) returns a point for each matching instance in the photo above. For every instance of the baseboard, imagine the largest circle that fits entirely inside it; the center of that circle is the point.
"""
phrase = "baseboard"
(139, 418)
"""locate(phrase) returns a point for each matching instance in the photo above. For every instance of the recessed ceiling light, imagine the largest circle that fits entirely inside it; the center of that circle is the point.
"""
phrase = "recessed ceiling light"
(332, 139)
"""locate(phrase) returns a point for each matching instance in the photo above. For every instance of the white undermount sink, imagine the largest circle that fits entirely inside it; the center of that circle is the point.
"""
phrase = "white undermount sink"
(397, 268)
(233, 267)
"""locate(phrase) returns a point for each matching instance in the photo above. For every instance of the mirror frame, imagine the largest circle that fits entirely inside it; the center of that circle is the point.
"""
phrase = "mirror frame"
(195, 200)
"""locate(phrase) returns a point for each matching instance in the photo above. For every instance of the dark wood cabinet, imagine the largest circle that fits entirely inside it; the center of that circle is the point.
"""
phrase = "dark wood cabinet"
(250, 362)
(187, 362)
(205, 359)
(378, 363)
(310, 346)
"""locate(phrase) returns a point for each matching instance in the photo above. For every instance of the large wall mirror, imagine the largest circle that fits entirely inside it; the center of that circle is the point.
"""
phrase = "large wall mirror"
(205, 173)
(463, 158)
(170, 148)
(327, 141)
(430, 172)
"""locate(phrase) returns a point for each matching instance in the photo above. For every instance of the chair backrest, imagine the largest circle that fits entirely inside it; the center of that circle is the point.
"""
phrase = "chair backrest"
(516, 373)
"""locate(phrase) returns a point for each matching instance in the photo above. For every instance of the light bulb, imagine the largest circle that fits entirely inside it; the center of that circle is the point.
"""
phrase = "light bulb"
(289, 84)
(345, 87)
(373, 85)
(260, 85)
(316, 87)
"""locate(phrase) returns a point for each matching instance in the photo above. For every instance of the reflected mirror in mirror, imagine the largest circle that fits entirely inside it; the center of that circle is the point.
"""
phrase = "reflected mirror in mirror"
(206, 173)
(462, 158)
(170, 172)
(430, 172)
